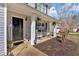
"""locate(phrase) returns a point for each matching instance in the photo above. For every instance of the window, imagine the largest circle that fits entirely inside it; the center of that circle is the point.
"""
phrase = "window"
(41, 27)
(42, 7)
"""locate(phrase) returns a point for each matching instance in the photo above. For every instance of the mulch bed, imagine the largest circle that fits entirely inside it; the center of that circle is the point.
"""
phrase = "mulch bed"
(54, 47)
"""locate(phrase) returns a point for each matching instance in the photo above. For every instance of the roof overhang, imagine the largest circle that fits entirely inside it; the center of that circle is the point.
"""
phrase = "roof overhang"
(28, 11)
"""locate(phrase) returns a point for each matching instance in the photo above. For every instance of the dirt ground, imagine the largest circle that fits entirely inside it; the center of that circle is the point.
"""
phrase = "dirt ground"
(54, 47)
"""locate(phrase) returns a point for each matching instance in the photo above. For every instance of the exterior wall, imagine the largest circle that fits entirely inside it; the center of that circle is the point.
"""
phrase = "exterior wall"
(27, 29)
(51, 28)
(2, 31)
(26, 25)
(9, 26)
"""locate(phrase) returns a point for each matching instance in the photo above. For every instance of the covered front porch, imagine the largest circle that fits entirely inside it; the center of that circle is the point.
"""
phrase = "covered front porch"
(23, 24)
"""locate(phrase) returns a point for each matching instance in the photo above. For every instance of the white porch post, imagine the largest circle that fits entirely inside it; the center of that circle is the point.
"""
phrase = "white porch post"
(47, 27)
(33, 18)
(55, 30)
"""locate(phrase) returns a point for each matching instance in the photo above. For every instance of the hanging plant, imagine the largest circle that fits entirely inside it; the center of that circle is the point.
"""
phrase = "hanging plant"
(54, 23)
(38, 19)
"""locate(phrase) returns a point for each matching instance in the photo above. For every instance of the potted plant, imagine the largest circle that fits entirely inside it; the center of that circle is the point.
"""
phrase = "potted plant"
(9, 46)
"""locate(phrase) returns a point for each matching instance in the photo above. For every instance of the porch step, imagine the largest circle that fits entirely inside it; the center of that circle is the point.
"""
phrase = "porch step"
(18, 41)
(18, 49)
(31, 51)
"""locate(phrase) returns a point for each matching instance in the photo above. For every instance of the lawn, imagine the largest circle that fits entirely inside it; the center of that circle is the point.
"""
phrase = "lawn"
(74, 33)
(74, 36)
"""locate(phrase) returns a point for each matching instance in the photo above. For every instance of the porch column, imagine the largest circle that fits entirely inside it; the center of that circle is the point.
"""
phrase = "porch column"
(50, 27)
(33, 18)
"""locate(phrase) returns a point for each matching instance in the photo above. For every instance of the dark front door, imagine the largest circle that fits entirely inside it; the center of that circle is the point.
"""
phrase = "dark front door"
(17, 28)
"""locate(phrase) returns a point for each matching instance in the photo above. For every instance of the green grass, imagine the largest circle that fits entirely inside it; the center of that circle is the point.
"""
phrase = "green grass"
(74, 33)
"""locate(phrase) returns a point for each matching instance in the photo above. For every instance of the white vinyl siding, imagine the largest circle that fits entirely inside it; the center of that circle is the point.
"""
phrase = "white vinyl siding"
(2, 30)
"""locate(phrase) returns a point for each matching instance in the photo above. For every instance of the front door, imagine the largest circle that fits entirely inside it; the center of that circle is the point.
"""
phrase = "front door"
(17, 29)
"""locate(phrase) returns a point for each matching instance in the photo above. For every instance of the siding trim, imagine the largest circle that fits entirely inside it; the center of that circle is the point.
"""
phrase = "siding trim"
(5, 28)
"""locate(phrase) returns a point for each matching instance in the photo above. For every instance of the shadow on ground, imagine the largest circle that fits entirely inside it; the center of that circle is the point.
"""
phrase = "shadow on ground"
(54, 47)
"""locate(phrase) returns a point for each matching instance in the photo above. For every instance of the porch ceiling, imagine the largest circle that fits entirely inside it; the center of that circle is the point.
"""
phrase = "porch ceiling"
(28, 11)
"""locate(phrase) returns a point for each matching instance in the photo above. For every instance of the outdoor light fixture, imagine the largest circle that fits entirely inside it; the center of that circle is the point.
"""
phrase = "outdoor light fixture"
(26, 18)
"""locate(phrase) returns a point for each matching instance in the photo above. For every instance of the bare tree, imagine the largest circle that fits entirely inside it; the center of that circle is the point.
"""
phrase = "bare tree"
(70, 18)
